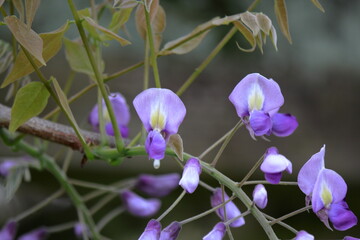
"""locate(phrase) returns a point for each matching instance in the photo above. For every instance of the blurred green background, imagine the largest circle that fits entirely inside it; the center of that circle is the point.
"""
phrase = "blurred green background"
(319, 76)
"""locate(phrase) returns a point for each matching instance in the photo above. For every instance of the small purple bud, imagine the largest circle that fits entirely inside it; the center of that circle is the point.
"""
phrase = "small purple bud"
(283, 124)
(190, 177)
(37, 234)
(152, 231)
(274, 164)
(157, 186)
(260, 196)
(303, 235)
(80, 229)
(139, 206)
(231, 210)
(217, 233)
(8, 231)
(6, 166)
(171, 232)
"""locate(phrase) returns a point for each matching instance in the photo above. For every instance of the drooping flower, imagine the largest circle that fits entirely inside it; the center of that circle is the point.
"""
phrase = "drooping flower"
(37, 234)
(157, 186)
(190, 177)
(152, 231)
(139, 206)
(260, 196)
(171, 232)
(274, 164)
(257, 101)
(231, 210)
(121, 111)
(217, 233)
(8, 232)
(303, 235)
(161, 111)
(327, 191)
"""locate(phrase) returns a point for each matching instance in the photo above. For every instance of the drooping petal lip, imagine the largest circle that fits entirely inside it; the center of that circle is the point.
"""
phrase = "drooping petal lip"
(139, 206)
(158, 186)
(283, 124)
(341, 216)
(155, 145)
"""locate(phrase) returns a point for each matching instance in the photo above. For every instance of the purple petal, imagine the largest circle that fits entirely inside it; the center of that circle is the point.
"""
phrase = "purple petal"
(155, 145)
(152, 231)
(329, 188)
(268, 88)
(231, 210)
(190, 177)
(283, 124)
(8, 232)
(310, 171)
(80, 229)
(171, 232)
(303, 235)
(217, 233)
(273, 178)
(166, 103)
(37, 234)
(275, 163)
(341, 216)
(124, 130)
(260, 123)
(139, 206)
(260, 196)
(158, 186)
(94, 118)
(350, 238)
(6, 166)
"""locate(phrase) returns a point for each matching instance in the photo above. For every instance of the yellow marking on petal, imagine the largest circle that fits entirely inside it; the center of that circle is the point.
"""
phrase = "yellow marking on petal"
(326, 195)
(157, 118)
(106, 115)
(256, 98)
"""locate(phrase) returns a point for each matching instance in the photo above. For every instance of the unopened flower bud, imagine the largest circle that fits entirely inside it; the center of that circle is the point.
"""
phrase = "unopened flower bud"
(190, 177)
(152, 231)
(217, 233)
(260, 196)
(157, 186)
(139, 206)
(171, 232)
(8, 231)
(303, 235)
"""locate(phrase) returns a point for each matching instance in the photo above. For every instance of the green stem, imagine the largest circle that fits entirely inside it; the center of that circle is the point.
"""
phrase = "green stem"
(250, 173)
(103, 140)
(153, 55)
(60, 227)
(98, 77)
(173, 205)
(282, 183)
(93, 185)
(146, 65)
(288, 227)
(290, 215)
(102, 202)
(228, 222)
(206, 62)
(108, 217)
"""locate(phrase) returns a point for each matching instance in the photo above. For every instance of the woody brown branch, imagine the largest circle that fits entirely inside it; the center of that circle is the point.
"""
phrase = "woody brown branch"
(51, 131)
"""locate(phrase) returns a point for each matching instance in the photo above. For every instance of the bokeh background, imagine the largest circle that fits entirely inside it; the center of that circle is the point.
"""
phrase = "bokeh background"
(319, 76)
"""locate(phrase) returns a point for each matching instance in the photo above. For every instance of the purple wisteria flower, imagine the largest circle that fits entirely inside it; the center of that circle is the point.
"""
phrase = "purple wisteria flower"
(351, 238)
(327, 191)
(231, 210)
(8, 232)
(37, 234)
(161, 111)
(121, 111)
(260, 196)
(257, 101)
(274, 164)
(157, 186)
(171, 232)
(139, 206)
(217, 233)
(152, 231)
(190, 177)
(303, 235)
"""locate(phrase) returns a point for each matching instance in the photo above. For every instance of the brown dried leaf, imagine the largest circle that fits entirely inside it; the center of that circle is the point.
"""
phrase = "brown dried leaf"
(1, 2)
(245, 32)
(31, 7)
(249, 20)
(176, 144)
(264, 23)
(141, 20)
(318, 5)
(18, 4)
(282, 19)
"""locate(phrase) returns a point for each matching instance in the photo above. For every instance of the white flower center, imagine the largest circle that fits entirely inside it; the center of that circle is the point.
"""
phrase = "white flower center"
(157, 118)
(256, 98)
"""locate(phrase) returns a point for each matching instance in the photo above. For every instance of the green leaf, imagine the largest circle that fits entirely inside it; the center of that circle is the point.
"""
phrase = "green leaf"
(31, 8)
(22, 67)
(124, 4)
(176, 144)
(107, 32)
(13, 181)
(318, 5)
(77, 57)
(29, 102)
(5, 56)
(119, 18)
(282, 18)
(29, 39)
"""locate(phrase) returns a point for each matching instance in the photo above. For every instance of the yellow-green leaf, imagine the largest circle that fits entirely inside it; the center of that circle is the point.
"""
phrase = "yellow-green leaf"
(52, 44)
(29, 102)
(29, 39)
(107, 32)
(124, 4)
(158, 26)
(76, 55)
(31, 8)
(282, 18)
(176, 144)
(273, 37)
(318, 5)
(249, 20)
(5, 56)
(264, 22)
(20, 8)
(245, 32)
(140, 17)
(119, 18)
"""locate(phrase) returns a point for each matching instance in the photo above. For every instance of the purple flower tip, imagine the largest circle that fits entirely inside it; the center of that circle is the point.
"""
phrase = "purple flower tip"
(157, 186)
(274, 164)
(260, 196)
(190, 177)
(350, 238)
(37, 234)
(171, 232)
(139, 206)
(8, 232)
(80, 229)
(6, 166)
(152, 231)
(303, 235)
(231, 210)
(155, 145)
(283, 124)
(217, 233)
